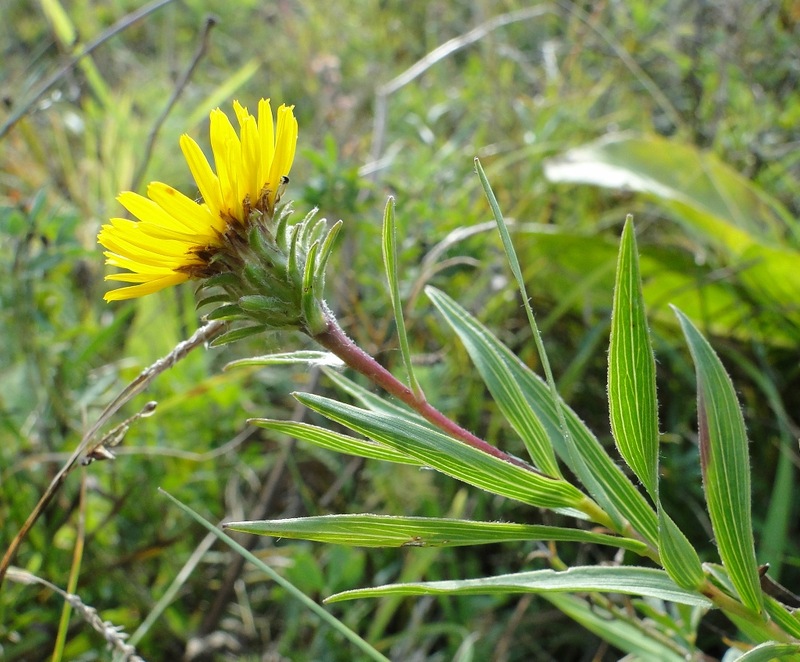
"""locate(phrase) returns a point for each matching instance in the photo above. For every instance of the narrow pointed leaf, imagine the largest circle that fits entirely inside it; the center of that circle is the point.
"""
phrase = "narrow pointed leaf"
(308, 299)
(225, 312)
(390, 531)
(648, 582)
(725, 465)
(540, 453)
(334, 441)
(632, 401)
(597, 471)
(237, 334)
(449, 456)
(304, 357)
(324, 256)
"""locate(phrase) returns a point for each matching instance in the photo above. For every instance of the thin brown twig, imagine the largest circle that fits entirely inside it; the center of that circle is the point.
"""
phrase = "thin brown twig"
(122, 24)
(180, 86)
(113, 634)
(200, 337)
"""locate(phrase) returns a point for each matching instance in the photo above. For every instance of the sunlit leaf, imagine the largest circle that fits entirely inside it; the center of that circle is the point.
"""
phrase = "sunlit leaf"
(726, 206)
(730, 212)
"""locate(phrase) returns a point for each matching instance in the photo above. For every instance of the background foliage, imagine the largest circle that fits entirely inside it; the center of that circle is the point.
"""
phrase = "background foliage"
(707, 91)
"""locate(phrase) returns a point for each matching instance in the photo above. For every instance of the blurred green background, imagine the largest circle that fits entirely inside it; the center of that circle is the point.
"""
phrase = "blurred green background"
(696, 108)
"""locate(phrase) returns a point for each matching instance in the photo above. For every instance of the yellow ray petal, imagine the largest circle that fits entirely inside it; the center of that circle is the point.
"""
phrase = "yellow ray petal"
(249, 185)
(146, 210)
(207, 182)
(266, 135)
(227, 151)
(145, 288)
(285, 145)
(197, 218)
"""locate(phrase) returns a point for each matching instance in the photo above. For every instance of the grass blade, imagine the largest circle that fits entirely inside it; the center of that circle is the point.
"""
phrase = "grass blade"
(389, 244)
(290, 588)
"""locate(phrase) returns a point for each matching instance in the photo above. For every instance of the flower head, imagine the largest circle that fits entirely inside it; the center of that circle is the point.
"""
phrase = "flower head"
(177, 238)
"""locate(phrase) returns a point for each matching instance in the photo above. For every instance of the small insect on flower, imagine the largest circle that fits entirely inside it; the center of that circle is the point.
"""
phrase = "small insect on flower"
(176, 238)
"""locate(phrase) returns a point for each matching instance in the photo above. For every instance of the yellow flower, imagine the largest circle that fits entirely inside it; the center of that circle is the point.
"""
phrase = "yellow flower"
(177, 238)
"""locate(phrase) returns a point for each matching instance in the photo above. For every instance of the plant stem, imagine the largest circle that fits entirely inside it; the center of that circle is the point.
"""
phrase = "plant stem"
(733, 607)
(336, 341)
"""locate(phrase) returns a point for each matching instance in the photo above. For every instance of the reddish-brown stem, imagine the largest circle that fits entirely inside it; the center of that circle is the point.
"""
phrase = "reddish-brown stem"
(336, 341)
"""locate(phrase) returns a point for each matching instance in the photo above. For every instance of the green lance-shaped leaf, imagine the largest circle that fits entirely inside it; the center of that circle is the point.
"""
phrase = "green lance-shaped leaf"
(785, 617)
(632, 401)
(648, 582)
(368, 530)
(725, 465)
(304, 357)
(452, 457)
(633, 407)
(596, 470)
(335, 441)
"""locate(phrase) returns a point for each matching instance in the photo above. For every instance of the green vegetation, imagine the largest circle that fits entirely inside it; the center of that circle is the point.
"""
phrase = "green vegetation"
(683, 114)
